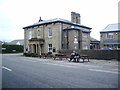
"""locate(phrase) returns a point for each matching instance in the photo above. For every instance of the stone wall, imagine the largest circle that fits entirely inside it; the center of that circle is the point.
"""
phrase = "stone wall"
(97, 54)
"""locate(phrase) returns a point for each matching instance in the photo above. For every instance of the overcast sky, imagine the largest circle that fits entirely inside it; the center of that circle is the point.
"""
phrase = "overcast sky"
(16, 14)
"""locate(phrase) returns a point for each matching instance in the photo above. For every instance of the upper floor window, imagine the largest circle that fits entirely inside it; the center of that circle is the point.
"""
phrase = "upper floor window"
(49, 32)
(85, 35)
(65, 33)
(38, 32)
(109, 35)
(76, 34)
(75, 40)
(30, 34)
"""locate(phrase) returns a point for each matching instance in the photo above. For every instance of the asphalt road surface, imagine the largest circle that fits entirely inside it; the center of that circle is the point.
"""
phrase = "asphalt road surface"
(28, 72)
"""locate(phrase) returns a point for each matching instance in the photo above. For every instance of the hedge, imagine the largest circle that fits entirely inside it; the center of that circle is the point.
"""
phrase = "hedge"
(30, 54)
(6, 48)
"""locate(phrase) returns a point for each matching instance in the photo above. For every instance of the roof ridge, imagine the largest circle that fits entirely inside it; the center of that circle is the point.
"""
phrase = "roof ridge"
(55, 20)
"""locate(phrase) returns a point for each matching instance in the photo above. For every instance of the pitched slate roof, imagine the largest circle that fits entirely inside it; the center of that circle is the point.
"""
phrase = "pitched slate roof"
(75, 28)
(71, 28)
(112, 28)
(93, 39)
(55, 21)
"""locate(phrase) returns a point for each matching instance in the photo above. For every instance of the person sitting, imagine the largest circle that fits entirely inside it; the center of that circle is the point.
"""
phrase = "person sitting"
(72, 56)
(77, 57)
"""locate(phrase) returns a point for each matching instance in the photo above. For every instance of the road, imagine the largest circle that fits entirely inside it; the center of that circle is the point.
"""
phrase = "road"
(28, 72)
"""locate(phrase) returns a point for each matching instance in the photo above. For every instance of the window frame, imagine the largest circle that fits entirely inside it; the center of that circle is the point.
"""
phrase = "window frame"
(38, 32)
(30, 35)
(85, 35)
(85, 47)
(49, 32)
(108, 36)
(75, 33)
(50, 48)
(65, 34)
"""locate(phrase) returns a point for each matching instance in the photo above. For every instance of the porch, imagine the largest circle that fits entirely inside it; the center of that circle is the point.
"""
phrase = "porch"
(36, 45)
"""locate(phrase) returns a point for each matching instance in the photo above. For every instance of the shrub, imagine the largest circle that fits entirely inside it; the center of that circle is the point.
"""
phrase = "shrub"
(49, 52)
(33, 54)
(12, 48)
(30, 54)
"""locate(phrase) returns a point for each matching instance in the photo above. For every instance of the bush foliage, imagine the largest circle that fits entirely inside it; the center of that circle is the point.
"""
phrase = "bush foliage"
(31, 54)
(6, 48)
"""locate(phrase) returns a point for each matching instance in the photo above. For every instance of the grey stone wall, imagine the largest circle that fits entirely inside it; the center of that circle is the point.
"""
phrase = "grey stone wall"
(97, 54)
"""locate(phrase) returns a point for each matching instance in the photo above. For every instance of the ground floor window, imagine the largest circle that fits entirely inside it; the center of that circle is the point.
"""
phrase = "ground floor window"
(119, 46)
(112, 46)
(75, 45)
(49, 47)
(85, 47)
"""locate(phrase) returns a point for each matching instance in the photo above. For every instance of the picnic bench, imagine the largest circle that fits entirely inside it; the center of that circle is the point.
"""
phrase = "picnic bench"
(46, 56)
(60, 56)
(83, 57)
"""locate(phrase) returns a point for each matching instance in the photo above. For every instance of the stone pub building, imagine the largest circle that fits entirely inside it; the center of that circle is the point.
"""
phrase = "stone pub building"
(56, 34)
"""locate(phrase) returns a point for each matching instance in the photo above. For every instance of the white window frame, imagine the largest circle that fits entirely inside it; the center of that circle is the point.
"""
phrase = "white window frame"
(50, 48)
(49, 32)
(30, 34)
(109, 35)
(75, 33)
(75, 40)
(38, 32)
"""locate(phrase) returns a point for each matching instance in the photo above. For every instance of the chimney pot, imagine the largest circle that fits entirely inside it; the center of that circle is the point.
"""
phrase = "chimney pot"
(40, 19)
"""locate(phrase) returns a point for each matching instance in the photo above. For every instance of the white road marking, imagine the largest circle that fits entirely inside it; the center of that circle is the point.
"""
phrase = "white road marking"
(103, 71)
(7, 68)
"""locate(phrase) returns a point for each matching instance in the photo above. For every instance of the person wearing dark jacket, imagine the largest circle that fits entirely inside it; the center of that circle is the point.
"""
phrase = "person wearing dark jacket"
(77, 57)
(72, 56)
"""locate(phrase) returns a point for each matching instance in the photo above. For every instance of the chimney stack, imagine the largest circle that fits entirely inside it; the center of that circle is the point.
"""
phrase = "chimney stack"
(75, 18)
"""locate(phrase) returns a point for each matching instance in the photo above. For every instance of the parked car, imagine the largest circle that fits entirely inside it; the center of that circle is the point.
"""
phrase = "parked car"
(106, 48)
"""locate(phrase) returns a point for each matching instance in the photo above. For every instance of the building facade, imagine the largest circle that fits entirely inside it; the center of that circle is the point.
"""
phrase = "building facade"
(56, 34)
(110, 37)
(94, 44)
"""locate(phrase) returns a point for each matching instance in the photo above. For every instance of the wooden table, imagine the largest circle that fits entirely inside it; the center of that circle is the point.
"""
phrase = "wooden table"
(60, 56)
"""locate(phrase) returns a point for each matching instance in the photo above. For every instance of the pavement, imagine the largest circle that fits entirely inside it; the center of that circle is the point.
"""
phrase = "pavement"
(111, 65)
